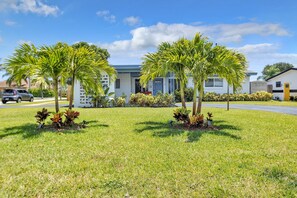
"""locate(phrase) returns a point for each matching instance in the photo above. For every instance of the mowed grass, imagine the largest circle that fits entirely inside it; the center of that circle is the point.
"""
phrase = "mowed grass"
(134, 152)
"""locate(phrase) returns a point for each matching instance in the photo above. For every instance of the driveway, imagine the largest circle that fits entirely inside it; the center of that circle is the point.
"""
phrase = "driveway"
(277, 109)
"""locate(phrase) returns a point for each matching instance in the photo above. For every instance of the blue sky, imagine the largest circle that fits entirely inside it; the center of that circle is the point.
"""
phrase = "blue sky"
(265, 31)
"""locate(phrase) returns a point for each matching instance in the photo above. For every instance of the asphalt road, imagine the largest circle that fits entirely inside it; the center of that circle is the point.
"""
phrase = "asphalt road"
(277, 109)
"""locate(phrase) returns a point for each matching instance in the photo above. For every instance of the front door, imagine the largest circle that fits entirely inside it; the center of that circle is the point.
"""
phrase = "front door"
(158, 86)
(286, 91)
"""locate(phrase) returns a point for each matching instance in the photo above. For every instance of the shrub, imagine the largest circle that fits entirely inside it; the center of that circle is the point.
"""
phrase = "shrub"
(196, 120)
(37, 92)
(258, 96)
(57, 121)
(181, 115)
(189, 92)
(143, 100)
(120, 102)
(70, 116)
(41, 117)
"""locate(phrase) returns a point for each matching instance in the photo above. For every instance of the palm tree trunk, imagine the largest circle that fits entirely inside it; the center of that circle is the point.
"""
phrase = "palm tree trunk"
(71, 93)
(182, 94)
(56, 92)
(228, 97)
(194, 98)
(41, 91)
(201, 90)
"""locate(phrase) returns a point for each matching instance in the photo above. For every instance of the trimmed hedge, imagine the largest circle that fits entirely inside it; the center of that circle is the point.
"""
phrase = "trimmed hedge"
(37, 92)
(143, 100)
(258, 96)
(189, 92)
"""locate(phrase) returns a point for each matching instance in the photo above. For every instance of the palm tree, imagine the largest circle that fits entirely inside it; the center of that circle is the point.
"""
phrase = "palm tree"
(168, 58)
(226, 64)
(86, 66)
(52, 62)
(21, 65)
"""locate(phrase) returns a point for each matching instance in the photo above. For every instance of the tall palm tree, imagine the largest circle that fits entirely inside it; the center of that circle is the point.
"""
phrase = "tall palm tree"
(86, 66)
(21, 65)
(168, 58)
(52, 62)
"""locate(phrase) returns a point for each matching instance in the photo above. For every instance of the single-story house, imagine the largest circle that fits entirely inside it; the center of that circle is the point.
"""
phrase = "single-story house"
(283, 85)
(5, 85)
(128, 82)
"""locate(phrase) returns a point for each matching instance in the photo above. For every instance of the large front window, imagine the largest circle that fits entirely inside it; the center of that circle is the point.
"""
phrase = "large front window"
(214, 82)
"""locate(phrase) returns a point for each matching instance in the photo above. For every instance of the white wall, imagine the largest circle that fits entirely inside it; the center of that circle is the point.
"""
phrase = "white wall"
(125, 85)
(219, 90)
(287, 77)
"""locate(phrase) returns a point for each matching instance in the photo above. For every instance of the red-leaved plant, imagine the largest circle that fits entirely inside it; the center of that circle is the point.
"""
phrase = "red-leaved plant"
(70, 116)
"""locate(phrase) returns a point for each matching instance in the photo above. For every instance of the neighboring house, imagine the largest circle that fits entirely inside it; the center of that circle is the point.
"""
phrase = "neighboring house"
(258, 85)
(128, 82)
(284, 84)
(4, 85)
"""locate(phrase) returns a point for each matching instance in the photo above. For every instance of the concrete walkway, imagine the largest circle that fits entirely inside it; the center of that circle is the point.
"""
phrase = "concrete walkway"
(277, 109)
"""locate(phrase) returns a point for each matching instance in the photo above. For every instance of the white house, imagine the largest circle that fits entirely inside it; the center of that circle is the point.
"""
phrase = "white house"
(284, 84)
(128, 82)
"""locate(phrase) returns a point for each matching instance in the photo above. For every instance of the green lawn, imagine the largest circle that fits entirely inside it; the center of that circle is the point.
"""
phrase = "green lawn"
(133, 151)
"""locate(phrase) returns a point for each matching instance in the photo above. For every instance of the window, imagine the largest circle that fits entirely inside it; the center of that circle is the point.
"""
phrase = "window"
(278, 84)
(118, 84)
(214, 82)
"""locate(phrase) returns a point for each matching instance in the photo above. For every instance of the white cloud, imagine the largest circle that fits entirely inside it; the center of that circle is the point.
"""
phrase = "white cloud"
(132, 21)
(262, 48)
(29, 6)
(105, 14)
(144, 38)
(20, 42)
(9, 23)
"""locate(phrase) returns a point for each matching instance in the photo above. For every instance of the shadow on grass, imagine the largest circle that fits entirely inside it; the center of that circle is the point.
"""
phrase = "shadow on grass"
(161, 129)
(30, 130)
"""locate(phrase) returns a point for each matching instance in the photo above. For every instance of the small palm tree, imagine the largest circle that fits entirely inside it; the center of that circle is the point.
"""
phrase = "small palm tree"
(168, 58)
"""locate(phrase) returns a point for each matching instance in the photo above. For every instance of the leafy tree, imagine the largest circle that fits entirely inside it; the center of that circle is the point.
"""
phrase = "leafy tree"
(271, 70)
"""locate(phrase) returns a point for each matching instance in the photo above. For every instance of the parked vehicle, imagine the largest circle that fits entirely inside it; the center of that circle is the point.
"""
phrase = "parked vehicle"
(17, 95)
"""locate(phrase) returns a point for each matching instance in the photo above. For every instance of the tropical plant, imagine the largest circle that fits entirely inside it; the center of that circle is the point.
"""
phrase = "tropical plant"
(181, 115)
(168, 58)
(86, 64)
(196, 120)
(70, 116)
(41, 117)
(48, 62)
(102, 100)
(57, 120)
(209, 116)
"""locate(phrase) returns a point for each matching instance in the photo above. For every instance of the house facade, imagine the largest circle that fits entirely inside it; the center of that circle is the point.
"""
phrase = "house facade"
(128, 82)
(283, 85)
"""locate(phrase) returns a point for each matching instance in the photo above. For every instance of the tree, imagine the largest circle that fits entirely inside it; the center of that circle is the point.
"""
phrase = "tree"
(52, 61)
(206, 59)
(168, 58)
(46, 61)
(271, 70)
(86, 64)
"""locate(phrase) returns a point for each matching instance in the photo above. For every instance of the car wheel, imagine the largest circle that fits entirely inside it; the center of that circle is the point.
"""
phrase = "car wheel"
(19, 100)
(31, 99)
(4, 102)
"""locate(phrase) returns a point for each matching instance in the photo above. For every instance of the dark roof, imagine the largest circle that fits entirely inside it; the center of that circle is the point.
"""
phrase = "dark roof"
(250, 72)
(127, 68)
(136, 68)
(281, 73)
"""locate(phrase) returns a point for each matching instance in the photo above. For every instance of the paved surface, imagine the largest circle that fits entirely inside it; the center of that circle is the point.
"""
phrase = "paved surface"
(38, 102)
(278, 109)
